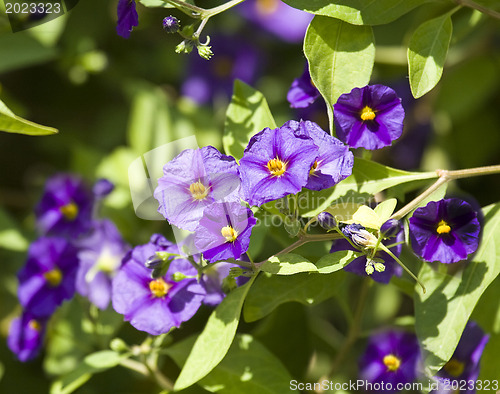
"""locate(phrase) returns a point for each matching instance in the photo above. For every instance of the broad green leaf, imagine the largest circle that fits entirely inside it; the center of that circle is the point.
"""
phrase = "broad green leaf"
(270, 291)
(10, 236)
(288, 264)
(247, 114)
(358, 12)
(93, 363)
(12, 123)
(335, 261)
(385, 209)
(213, 343)
(427, 53)
(367, 217)
(442, 313)
(340, 56)
(367, 177)
(248, 368)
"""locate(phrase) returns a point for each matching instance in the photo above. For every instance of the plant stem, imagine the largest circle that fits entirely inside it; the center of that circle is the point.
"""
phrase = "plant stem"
(189, 9)
(354, 329)
(444, 176)
(221, 8)
(146, 370)
(484, 10)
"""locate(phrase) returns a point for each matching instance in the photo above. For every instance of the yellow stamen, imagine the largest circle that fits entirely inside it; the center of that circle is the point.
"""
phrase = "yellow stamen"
(454, 367)
(313, 168)
(229, 233)
(54, 277)
(266, 7)
(276, 167)
(159, 288)
(69, 211)
(367, 114)
(443, 227)
(392, 362)
(198, 190)
(34, 325)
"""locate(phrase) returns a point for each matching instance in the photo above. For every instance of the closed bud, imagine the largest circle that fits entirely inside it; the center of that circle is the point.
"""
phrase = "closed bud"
(204, 51)
(292, 225)
(178, 276)
(153, 262)
(360, 236)
(185, 46)
(390, 228)
(118, 345)
(327, 221)
(369, 269)
(171, 24)
(379, 267)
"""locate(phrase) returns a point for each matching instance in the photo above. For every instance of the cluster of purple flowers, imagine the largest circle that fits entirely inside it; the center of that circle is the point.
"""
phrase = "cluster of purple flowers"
(75, 253)
(392, 359)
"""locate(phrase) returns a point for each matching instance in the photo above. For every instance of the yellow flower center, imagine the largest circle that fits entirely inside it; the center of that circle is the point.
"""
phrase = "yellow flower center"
(229, 233)
(313, 168)
(54, 277)
(454, 367)
(266, 7)
(392, 362)
(34, 325)
(198, 190)
(443, 227)
(367, 114)
(69, 211)
(159, 288)
(276, 167)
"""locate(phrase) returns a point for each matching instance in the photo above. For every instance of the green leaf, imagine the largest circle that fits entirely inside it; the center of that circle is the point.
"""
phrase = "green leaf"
(248, 368)
(247, 114)
(93, 363)
(335, 261)
(270, 291)
(12, 123)
(10, 236)
(358, 12)
(367, 177)
(442, 313)
(213, 343)
(385, 209)
(288, 264)
(427, 53)
(340, 56)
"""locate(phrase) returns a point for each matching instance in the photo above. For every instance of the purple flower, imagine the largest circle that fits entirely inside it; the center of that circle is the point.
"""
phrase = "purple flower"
(358, 265)
(26, 334)
(224, 231)
(370, 117)
(334, 161)
(390, 358)
(446, 231)
(156, 305)
(464, 364)
(302, 93)
(207, 81)
(192, 181)
(127, 17)
(100, 256)
(276, 163)
(48, 278)
(278, 18)
(65, 208)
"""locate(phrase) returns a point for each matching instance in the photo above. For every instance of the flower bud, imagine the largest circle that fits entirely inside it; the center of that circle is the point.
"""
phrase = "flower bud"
(359, 235)
(369, 269)
(118, 345)
(204, 51)
(292, 225)
(102, 188)
(171, 24)
(153, 262)
(178, 276)
(390, 228)
(185, 46)
(327, 221)
(379, 267)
